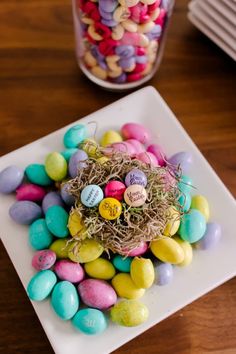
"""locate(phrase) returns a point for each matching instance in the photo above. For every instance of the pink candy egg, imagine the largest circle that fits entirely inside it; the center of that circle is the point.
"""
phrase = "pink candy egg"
(139, 68)
(148, 158)
(169, 181)
(97, 293)
(67, 270)
(124, 147)
(137, 145)
(158, 152)
(30, 192)
(134, 77)
(135, 131)
(138, 251)
(115, 189)
(43, 259)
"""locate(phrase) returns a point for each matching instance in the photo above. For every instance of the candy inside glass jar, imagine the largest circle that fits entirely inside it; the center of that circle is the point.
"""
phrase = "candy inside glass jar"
(119, 43)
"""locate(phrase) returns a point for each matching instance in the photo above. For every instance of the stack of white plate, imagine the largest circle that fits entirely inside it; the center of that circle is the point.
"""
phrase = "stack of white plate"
(217, 20)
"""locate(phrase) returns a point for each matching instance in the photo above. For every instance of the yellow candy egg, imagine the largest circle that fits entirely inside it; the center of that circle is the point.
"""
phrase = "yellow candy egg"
(60, 247)
(129, 313)
(110, 208)
(173, 223)
(100, 268)
(167, 250)
(102, 160)
(86, 251)
(188, 251)
(76, 226)
(142, 272)
(125, 287)
(90, 146)
(110, 137)
(200, 203)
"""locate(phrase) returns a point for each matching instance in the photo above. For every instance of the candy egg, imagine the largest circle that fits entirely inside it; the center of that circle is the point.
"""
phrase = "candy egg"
(210, 238)
(75, 135)
(66, 196)
(65, 300)
(43, 259)
(148, 158)
(37, 174)
(129, 313)
(30, 192)
(115, 189)
(156, 150)
(135, 195)
(41, 285)
(185, 184)
(167, 250)
(163, 273)
(102, 160)
(137, 145)
(10, 178)
(173, 222)
(184, 159)
(90, 146)
(87, 251)
(60, 247)
(188, 251)
(57, 220)
(76, 225)
(122, 263)
(136, 176)
(25, 212)
(39, 235)
(192, 226)
(200, 203)
(138, 251)
(142, 272)
(56, 166)
(67, 270)
(110, 208)
(125, 287)
(77, 162)
(91, 195)
(124, 147)
(50, 199)
(135, 131)
(185, 201)
(110, 137)
(100, 268)
(67, 153)
(90, 321)
(97, 293)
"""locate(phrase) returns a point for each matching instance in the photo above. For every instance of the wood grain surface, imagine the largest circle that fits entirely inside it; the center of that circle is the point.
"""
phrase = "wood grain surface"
(41, 90)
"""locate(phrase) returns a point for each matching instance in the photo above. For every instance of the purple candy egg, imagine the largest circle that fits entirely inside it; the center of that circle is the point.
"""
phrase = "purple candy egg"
(10, 178)
(109, 23)
(66, 196)
(125, 51)
(25, 212)
(77, 162)
(210, 238)
(68, 270)
(105, 15)
(51, 199)
(184, 159)
(127, 63)
(120, 79)
(141, 59)
(163, 273)
(108, 5)
(43, 259)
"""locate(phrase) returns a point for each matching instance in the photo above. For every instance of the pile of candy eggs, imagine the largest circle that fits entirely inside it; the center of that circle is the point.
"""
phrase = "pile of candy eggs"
(119, 40)
(105, 286)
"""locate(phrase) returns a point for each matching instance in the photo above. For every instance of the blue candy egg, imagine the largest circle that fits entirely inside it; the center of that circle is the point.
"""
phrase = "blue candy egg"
(41, 285)
(77, 162)
(75, 135)
(122, 263)
(185, 201)
(65, 300)
(37, 174)
(57, 220)
(67, 153)
(136, 176)
(91, 195)
(192, 226)
(90, 321)
(10, 178)
(50, 199)
(39, 235)
(210, 238)
(163, 273)
(185, 184)
(25, 212)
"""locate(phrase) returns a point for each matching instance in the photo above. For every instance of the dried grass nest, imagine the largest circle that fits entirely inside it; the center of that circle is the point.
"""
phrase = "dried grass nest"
(135, 225)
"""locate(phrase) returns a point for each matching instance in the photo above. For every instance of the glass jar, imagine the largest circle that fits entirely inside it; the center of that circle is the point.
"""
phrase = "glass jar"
(119, 43)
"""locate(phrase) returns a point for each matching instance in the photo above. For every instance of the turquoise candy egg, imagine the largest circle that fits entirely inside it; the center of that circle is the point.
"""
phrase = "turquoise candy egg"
(65, 300)
(41, 285)
(192, 226)
(37, 174)
(185, 184)
(39, 235)
(90, 321)
(57, 220)
(185, 201)
(75, 135)
(121, 263)
(67, 153)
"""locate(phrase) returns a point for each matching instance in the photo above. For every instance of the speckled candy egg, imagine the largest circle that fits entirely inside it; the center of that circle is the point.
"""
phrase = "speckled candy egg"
(135, 131)
(90, 321)
(51, 199)
(57, 220)
(39, 235)
(25, 212)
(67, 270)
(41, 285)
(77, 162)
(56, 166)
(182, 159)
(43, 259)
(10, 178)
(192, 226)
(129, 313)
(97, 293)
(115, 189)
(210, 238)
(91, 195)
(136, 176)
(30, 192)
(65, 300)
(37, 174)
(75, 135)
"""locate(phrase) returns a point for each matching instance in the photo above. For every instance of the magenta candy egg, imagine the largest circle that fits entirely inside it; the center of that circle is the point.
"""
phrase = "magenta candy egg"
(124, 147)
(68, 270)
(156, 150)
(134, 77)
(30, 192)
(136, 131)
(97, 293)
(43, 259)
(138, 251)
(139, 67)
(148, 158)
(115, 189)
(137, 145)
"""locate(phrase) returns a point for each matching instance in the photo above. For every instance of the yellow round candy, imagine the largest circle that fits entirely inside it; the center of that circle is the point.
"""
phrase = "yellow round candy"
(129, 313)
(86, 251)
(167, 250)
(173, 223)
(142, 272)
(110, 137)
(60, 247)
(100, 268)
(110, 208)
(125, 287)
(200, 203)
(76, 226)
(188, 251)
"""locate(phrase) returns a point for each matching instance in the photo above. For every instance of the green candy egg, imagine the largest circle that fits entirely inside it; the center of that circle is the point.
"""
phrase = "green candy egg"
(41, 285)
(68, 153)
(122, 263)
(185, 201)
(56, 166)
(90, 321)
(75, 135)
(65, 300)
(129, 313)
(57, 220)
(192, 226)
(39, 235)
(37, 174)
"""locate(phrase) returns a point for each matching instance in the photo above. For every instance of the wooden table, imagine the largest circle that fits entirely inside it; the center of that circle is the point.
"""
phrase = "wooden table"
(41, 90)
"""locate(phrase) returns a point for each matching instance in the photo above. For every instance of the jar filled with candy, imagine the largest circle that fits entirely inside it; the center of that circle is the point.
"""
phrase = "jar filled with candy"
(119, 43)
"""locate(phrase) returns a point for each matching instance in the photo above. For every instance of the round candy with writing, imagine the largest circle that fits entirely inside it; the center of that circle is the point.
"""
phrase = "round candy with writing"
(135, 195)
(110, 208)
(115, 189)
(136, 176)
(91, 195)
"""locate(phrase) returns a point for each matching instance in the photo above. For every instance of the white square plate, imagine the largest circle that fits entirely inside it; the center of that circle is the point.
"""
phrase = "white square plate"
(208, 269)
